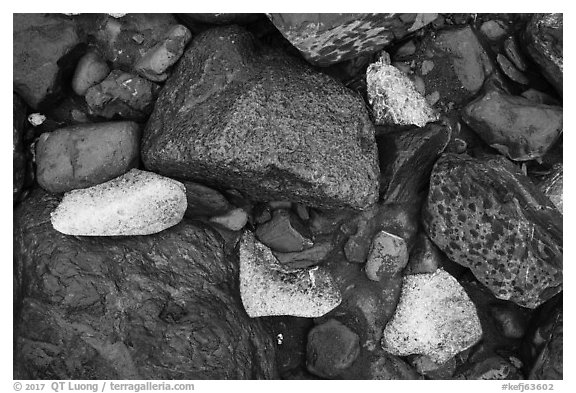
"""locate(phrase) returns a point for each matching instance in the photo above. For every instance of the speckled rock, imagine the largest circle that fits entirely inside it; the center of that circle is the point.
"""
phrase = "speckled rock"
(18, 153)
(39, 42)
(387, 257)
(136, 203)
(85, 155)
(332, 347)
(544, 39)
(514, 125)
(90, 70)
(487, 216)
(434, 317)
(262, 123)
(549, 362)
(394, 97)
(268, 288)
(324, 39)
(553, 186)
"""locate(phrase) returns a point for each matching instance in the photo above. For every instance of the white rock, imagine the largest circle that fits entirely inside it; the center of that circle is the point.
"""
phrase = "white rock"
(136, 203)
(36, 119)
(434, 317)
(234, 220)
(269, 288)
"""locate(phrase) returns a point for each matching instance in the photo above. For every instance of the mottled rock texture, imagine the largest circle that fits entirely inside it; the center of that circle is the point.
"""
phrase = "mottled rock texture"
(324, 39)
(163, 306)
(486, 215)
(241, 116)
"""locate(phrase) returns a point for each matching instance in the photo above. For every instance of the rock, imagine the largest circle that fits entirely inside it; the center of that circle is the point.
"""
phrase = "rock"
(553, 186)
(514, 53)
(204, 201)
(72, 110)
(544, 43)
(513, 125)
(487, 216)
(434, 317)
(262, 123)
(332, 347)
(306, 258)
(425, 257)
(510, 70)
(387, 257)
(18, 152)
(284, 233)
(163, 306)
(268, 288)
(324, 39)
(539, 97)
(136, 203)
(155, 63)
(91, 70)
(493, 29)
(509, 321)
(406, 160)
(122, 95)
(425, 366)
(302, 212)
(549, 363)
(86, 155)
(273, 205)
(234, 220)
(389, 367)
(394, 98)
(40, 42)
(493, 368)
(36, 119)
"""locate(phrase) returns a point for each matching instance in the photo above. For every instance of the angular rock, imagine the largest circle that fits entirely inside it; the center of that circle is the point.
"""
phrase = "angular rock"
(544, 38)
(406, 160)
(487, 216)
(550, 362)
(163, 306)
(268, 288)
(18, 153)
(40, 41)
(514, 125)
(90, 70)
(553, 186)
(204, 201)
(136, 203)
(86, 155)
(510, 70)
(262, 123)
(394, 97)
(434, 317)
(387, 257)
(332, 348)
(306, 258)
(234, 220)
(155, 63)
(122, 95)
(514, 53)
(284, 232)
(324, 39)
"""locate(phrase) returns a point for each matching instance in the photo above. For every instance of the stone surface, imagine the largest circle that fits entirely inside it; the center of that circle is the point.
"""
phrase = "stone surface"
(553, 186)
(122, 95)
(90, 70)
(308, 257)
(234, 220)
(510, 70)
(434, 317)
(204, 201)
(163, 306)
(18, 152)
(394, 97)
(493, 368)
(509, 321)
(136, 203)
(406, 160)
(324, 39)
(544, 39)
(268, 288)
(284, 232)
(514, 53)
(332, 347)
(487, 216)
(514, 125)
(425, 257)
(155, 63)
(85, 155)
(387, 257)
(493, 29)
(549, 362)
(39, 42)
(262, 123)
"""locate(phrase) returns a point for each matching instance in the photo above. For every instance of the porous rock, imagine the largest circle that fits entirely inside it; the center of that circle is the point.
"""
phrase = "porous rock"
(163, 306)
(487, 216)
(136, 203)
(85, 155)
(267, 288)
(434, 317)
(262, 123)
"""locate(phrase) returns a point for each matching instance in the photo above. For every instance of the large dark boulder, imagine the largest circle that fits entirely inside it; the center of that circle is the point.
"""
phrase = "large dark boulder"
(241, 116)
(164, 306)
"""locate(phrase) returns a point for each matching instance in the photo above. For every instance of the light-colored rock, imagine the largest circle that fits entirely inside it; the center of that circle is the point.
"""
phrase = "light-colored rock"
(136, 203)
(394, 97)
(387, 257)
(434, 317)
(267, 288)
(91, 70)
(234, 220)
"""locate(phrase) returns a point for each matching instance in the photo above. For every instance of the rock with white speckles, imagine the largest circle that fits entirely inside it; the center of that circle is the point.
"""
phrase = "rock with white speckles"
(268, 288)
(387, 257)
(487, 216)
(136, 203)
(434, 317)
